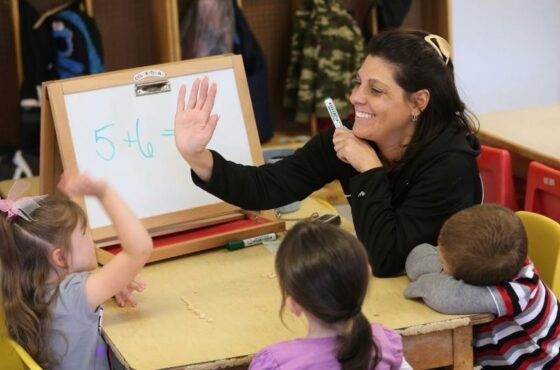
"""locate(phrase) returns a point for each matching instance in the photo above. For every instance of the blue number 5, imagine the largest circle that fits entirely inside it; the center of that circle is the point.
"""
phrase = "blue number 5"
(110, 151)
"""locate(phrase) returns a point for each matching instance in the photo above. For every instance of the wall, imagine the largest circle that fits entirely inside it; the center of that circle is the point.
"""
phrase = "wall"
(131, 43)
(506, 53)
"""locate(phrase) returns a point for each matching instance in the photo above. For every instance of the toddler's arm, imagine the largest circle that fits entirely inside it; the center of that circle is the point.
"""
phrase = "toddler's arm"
(105, 282)
(423, 259)
(445, 294)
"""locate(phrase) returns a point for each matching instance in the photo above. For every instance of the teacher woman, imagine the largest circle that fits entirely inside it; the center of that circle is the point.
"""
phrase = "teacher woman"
(406, 163)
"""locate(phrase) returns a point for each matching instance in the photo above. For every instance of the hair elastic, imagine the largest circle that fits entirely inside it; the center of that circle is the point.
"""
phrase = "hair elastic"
(354, 312)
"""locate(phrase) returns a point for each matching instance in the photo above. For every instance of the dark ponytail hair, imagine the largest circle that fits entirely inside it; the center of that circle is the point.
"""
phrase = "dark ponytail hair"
(25, 269)
(325, 270)
(418, 65)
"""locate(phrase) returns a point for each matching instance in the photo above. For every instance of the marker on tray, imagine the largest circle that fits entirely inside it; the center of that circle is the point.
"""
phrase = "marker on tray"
(238, 244)
(329, 103)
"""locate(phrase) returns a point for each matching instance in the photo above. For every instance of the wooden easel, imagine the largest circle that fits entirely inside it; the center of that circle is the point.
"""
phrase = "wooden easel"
(177, 233)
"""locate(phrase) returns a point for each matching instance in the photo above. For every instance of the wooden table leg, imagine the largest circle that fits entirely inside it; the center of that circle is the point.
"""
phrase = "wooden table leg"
(462, 348)
(430, 350)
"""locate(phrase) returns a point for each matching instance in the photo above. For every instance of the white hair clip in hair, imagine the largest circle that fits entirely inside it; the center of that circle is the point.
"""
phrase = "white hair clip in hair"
(440, 45)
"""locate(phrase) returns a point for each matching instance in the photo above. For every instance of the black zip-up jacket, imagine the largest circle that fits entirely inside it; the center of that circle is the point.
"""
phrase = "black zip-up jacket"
(392, 211)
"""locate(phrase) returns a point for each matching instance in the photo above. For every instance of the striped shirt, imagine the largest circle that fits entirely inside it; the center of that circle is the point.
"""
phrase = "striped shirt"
(526, 333)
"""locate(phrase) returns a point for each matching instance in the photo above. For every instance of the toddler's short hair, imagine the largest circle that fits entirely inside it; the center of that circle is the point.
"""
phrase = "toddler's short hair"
(483, 244)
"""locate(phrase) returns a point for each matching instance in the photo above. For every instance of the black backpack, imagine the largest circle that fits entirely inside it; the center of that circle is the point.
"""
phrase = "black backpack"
(63, 44)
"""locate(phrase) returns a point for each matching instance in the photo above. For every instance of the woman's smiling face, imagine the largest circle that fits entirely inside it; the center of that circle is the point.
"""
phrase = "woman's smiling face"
(383, 109)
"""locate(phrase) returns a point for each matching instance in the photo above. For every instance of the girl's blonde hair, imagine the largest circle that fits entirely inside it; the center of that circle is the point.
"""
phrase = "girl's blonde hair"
(25, 249)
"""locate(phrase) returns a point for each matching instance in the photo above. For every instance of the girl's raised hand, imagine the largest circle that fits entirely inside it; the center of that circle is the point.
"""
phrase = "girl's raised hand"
(194, 123)
(82, 184)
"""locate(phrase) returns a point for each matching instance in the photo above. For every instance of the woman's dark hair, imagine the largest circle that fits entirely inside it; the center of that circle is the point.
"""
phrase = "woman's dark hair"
(418, 66)
(25, 268)
(325, 270)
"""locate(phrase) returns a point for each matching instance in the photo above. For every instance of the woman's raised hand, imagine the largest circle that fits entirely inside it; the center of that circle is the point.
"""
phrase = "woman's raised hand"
(194, 123)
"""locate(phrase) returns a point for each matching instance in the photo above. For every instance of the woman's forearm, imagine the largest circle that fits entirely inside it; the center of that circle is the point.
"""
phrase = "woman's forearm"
(202, 164)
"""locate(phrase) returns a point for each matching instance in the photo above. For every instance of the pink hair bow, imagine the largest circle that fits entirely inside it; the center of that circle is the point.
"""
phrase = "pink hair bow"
(16, 205)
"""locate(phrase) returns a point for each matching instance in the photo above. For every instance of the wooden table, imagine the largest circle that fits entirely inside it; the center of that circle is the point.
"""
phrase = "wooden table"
(218, 308)
(530, 135)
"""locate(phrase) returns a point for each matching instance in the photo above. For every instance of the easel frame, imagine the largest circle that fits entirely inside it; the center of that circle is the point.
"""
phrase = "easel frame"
(57, 154)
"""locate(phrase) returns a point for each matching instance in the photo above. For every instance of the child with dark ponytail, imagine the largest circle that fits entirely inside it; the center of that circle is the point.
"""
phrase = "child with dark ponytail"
(323, 272)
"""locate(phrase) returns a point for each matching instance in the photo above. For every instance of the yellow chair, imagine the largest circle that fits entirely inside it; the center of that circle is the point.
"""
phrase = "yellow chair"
(543, 234)
(12, 355)
(27, 361)
(8, 357)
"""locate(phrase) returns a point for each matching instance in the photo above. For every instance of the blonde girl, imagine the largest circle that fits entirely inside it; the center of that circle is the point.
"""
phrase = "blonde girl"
(51, 291)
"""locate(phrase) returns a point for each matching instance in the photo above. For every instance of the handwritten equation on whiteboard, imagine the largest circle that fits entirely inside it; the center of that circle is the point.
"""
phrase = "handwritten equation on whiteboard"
(107, 140)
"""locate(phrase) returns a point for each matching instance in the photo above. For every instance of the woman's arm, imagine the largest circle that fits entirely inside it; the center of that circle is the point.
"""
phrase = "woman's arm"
(252, 188)
(277, 184)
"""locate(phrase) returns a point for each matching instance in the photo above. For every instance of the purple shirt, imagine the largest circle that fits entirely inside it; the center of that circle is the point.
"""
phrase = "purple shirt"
(320, 353)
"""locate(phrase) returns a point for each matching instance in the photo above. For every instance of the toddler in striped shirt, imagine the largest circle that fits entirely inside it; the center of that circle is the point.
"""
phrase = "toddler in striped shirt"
(481, 265)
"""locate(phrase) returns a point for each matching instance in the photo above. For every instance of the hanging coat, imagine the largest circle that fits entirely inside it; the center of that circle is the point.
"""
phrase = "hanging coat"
(327, 50)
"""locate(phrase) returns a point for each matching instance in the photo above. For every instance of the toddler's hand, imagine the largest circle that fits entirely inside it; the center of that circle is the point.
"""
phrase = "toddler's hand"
(81, 185)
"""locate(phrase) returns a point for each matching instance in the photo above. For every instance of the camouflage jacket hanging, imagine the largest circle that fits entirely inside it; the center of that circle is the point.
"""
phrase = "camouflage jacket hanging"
(327, 50)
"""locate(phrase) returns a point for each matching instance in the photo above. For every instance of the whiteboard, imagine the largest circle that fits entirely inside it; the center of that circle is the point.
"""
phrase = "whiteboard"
(129, 140)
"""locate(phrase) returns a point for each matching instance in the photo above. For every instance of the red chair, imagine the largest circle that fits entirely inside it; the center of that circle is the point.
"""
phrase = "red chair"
(494, 165)
(543, 190)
